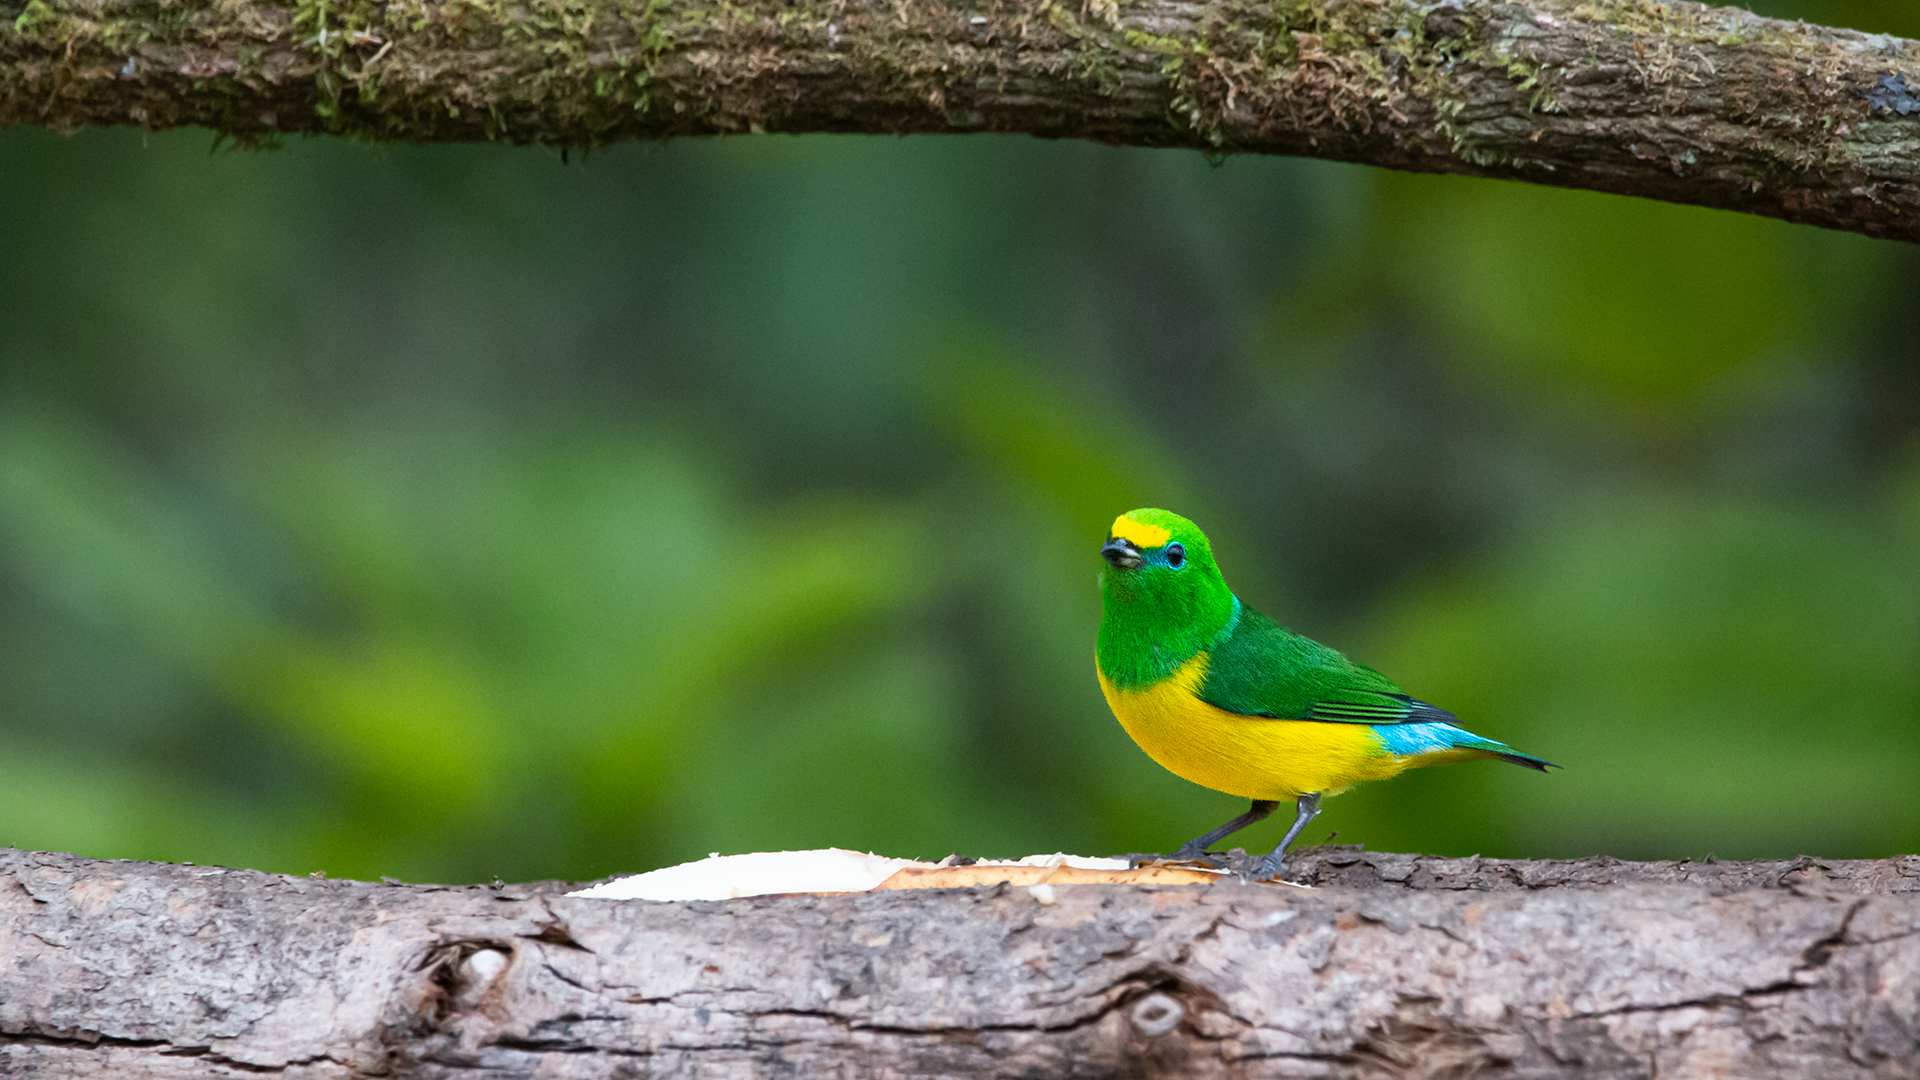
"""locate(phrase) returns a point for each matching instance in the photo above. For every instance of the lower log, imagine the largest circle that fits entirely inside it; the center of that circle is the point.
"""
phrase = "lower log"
(1393, 965)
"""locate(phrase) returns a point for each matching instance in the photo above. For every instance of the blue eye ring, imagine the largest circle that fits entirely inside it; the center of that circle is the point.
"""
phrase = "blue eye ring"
(1176, 555)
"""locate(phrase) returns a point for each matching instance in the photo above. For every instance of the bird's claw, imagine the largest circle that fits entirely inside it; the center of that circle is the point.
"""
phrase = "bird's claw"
(1203, 858)
(1191, 853)
(1267, 869)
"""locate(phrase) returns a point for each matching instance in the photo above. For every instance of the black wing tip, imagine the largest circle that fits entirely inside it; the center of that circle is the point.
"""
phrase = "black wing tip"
(1426, 712)
(1530, 762)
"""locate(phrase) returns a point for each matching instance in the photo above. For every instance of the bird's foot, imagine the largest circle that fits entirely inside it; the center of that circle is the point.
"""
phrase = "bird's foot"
(1267, 868)
(1191, 852)
(1187, 854)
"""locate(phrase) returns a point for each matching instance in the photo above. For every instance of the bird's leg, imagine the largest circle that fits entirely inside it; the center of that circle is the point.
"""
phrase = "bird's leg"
(1195, 850)
(1304, 810)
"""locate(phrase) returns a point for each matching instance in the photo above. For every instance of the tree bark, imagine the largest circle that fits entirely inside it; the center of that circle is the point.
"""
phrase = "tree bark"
(1395, 966)
(1675, 101)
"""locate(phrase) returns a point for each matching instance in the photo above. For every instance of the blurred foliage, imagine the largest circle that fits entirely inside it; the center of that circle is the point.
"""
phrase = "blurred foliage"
(451, 512)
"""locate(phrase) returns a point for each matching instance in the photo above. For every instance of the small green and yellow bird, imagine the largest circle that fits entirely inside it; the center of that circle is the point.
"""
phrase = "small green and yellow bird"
(1220, 695)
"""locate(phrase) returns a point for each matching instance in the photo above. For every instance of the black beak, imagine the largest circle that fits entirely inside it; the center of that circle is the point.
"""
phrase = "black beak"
(1122, 554)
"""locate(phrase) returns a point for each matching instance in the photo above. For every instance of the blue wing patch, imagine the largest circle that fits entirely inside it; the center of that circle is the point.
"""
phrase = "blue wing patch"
(1412, 740)
(1409, 740)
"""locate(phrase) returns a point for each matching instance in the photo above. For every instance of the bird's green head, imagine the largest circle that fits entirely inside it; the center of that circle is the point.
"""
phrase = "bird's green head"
(1163, 596)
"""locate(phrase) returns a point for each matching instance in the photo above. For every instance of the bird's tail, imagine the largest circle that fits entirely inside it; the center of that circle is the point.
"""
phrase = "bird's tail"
(1518, 758)
(1500, 750)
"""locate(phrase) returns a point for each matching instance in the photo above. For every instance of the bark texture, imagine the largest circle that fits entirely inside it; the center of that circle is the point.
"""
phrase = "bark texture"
(1672, 101)
(1395, 966)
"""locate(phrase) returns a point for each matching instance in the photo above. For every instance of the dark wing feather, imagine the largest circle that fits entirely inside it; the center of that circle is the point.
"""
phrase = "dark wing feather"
(1380, 708)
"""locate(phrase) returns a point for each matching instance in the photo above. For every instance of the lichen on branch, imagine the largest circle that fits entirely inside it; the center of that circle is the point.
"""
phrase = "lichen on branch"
(1676, 101)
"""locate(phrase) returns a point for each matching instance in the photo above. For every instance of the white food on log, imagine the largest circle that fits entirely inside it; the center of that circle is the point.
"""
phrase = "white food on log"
(766, 873)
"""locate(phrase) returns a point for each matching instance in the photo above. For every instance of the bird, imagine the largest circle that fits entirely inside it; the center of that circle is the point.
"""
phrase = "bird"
(1221, 695)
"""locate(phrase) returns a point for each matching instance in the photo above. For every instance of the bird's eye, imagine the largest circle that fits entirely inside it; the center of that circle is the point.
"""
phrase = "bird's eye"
(1176, 555)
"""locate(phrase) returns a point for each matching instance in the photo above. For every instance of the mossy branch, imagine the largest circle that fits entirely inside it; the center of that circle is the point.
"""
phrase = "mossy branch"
(1675, 101)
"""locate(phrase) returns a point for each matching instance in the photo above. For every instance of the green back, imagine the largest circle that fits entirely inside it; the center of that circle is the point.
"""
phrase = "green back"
(1264, 670)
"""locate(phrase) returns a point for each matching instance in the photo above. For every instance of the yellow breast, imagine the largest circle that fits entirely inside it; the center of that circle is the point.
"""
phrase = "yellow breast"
(1250, 756)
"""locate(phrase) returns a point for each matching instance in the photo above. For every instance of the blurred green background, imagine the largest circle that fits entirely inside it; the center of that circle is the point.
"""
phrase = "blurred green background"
(453, 512)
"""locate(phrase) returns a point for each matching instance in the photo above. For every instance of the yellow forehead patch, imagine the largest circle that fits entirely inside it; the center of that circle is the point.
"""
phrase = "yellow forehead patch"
(1139, 533)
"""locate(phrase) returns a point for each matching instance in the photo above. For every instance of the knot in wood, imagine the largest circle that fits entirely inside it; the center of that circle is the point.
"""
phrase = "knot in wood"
(1157, 1014)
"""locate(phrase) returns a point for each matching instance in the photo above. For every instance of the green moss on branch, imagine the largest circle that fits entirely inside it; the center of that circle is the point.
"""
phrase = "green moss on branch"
(1668, 100)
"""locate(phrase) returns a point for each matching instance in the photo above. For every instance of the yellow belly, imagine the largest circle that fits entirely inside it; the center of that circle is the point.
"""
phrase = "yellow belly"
(1250, 756)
